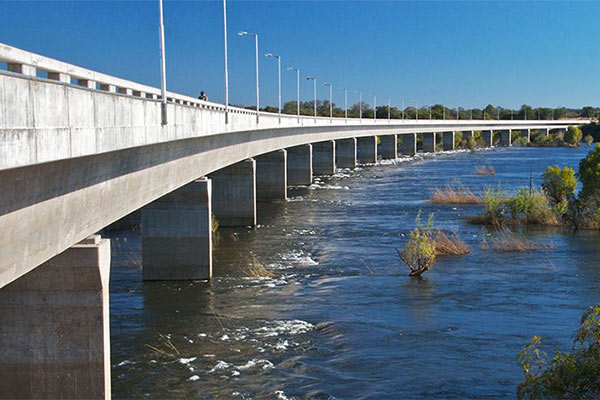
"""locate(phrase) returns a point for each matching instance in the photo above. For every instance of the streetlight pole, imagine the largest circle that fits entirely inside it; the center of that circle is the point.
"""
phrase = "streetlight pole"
(243, 33)
(402, 108)
(457, 113)
(416, 111)
(389, 110)
(444, 112)
(359, 106)
(345, 104)
(330, 102)
(226, 63)
(374, 108)
(314, 79)
(163, 67)
(278, 79)
(429, 113)
(471, 114)
(297, 90)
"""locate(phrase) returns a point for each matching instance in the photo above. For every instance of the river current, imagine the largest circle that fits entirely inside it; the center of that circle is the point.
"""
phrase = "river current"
(340, 318)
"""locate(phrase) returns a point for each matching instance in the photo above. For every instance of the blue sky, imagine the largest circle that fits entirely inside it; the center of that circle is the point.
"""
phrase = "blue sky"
(457, 53)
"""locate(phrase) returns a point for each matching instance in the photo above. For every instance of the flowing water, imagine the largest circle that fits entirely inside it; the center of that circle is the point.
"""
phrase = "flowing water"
(339, 318)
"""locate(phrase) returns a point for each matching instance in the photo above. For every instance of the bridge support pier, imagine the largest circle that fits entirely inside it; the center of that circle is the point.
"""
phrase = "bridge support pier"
(177, 234)
(389, 147)
(345, 153)
(488, 138)
(429, 142)
(367, 149)
(54, 327)
(271, 176)
(234, 194)
(546, 132)
(448, 141)
(324, 158)
(409, 144)
(505, 138)
(299, 165)
(526, 133)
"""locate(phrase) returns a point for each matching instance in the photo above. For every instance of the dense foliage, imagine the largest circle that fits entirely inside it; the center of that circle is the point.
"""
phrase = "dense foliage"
(559, 183)
(574, 375)
(419, 254)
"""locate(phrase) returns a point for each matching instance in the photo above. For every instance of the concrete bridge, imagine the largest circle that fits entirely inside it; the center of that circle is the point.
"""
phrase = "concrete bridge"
(79, 150)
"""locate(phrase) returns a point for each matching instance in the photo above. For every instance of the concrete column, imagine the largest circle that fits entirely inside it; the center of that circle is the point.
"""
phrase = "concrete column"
(448, 141)
(526, 133)
(345, 153)
(389, 147)
(409, 144)
(546, 132)
(487, 138)
(324, 158)
(428, 142)
(366, 149)
(234, 194)
(299, 165)
(505, 138)
(271, 176)
(54, 327)
(177, 234)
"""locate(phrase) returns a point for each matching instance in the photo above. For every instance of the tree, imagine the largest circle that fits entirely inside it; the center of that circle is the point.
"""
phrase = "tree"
(568, 375)
(559, 183)
(419, 254)
(589, 175)
(573, 136)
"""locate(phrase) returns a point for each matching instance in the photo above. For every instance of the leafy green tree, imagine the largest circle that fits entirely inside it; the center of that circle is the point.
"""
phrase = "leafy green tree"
(571, 375)
(559, 183)
(589, 175)
(573, 136)
(589, 139)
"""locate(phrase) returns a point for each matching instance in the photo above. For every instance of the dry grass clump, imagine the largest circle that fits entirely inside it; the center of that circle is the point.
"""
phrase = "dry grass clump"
(449, 245)
(164, 347)
(257, 270)
(485, 170)
(458, 195)
(506, 240)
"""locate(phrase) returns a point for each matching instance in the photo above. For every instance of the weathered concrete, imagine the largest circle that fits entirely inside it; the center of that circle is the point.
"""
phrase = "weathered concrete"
(77, 157)
(389, 147)
(299, 165)
(324, 158)
(366, 149)
(271, 176)
(234, 194)
(429, 142)
(505, 137)
(177, 234)
(409, 144)
(488, 137)
(345, 153)
(54, 327)
(526, 133)
(448, 141)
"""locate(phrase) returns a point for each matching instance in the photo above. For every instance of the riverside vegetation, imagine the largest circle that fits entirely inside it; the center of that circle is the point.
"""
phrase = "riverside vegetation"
(567, 375)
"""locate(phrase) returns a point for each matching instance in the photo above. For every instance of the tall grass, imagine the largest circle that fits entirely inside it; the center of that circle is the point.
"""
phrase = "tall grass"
(485, 170)
(454, 195)
(449, 245)
(505, 240)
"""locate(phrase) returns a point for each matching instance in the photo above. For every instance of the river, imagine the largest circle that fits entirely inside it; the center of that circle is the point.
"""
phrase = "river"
(340, 318)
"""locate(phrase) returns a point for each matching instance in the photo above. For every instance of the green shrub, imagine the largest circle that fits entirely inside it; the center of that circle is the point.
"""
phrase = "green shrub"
(589, 139)
(495, 207)
(471, 144)
(520, 141)
(571, 375)
(532, 207)
(573, 136)
(419, 253)
(559, 184)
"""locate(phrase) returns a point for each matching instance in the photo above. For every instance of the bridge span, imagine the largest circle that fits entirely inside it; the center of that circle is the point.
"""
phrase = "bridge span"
(79, 150)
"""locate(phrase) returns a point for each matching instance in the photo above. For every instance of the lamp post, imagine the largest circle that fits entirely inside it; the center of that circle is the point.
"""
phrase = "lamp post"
(511, 114)
(297, 90)
(226, 63)
(244, 33)
(345, 104)
(429, 112)
(374, 108)
(389, 110)
(471, 114)
(444, 112)
(314, 79)
(416, 111)
(163, 67)
(359, 106)
(271, 55)
(457, 113)
(330, 102)
(402, 101)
